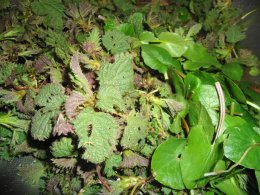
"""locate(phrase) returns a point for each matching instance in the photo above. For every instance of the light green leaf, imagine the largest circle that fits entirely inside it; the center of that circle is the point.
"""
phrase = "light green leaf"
(97, 133)
(199, 57)
(157, 58)
(115, 81)
(135, 130)
(147, 36)
(51, 10)
(194, 30)
(115, 41)
(112, 162)
(62, 147)
(51, 97)
(240, 138)
(234, 34)
(233, 70)
(13, 122)
(136, 20)
(174, 43)
(198, 157)
(41, 127)
(192, 83)
(166, 163)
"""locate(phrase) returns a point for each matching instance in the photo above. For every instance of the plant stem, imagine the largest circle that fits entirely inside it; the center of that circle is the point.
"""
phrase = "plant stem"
(254, 105)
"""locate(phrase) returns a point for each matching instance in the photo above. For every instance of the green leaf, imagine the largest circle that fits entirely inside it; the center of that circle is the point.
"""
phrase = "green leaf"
(174, 43)
(198, 157)
(41, 127)
(6, 71)
(62, 147)
(234, 34)
(51, 10)
(147, 36)
(192, 83)
(235, 91)
(115, 81)
(13, 122)
(77, 75)
(115, 41)
(257, 174)
(135, 130)
(136, 20)
(240, 138)
(233, 70)
(112, 162)
(157, 58)
(166, 163)
(97, 133)
(198, 57)
(194, 30)
(51, 97)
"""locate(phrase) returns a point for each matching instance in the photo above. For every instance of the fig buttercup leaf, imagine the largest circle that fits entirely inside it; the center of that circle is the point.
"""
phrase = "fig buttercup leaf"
(233, 71)
(115, 81)
(62, 147)
(51, 10)
(135, 130)
(240, 138)
(166, 163)
(97, 133)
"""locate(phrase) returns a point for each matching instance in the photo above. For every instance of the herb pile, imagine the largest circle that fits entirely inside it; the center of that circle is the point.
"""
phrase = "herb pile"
(132, 97)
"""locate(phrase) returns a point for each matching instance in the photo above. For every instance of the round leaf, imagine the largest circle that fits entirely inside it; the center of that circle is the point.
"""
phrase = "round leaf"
(166, 163)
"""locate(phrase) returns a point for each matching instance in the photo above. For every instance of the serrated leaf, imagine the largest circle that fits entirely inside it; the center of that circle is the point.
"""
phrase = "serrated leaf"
(112, 162)
(234, 34)
(62, 147)
(62, 127)
(135, 130)
(132, 159)
(41, 126)
(194, 30)
(78, 77)
(115, 41)
(240, 138)
(64, 163)
(166, 163)
(157, 58)
(6, 71)
(73, 101)
(51, 96)
(137, 22)
(97, 134)
(51, 10)
(115, 81)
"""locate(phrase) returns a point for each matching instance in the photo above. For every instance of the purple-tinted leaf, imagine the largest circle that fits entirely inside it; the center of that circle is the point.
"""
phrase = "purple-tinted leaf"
(62, 127)
(72, 102)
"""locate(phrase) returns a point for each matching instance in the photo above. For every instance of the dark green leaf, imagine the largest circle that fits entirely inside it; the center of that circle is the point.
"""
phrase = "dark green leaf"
(233, 70)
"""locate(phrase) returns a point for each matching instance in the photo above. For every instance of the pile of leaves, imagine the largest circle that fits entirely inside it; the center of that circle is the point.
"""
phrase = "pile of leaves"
(129, 97)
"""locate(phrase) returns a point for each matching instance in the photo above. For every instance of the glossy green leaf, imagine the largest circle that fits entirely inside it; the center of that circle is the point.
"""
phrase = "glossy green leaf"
(198, 157)
(192, 83)
(241, 138)
(174, 43)
(233, 70)
(157, 58)
(147, 36)
(235, 91)
(198, 57)
(166, 163)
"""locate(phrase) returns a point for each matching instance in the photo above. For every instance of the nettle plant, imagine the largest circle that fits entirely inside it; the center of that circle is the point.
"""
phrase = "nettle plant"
(116, 102)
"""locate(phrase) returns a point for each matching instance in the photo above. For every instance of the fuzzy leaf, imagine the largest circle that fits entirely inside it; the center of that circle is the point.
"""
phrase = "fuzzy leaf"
(6, 71)
(78, 77)
(51, 96)
(115, 41)
(115, 80)
(134, 131)
(41, 127)
(73, 101)
(64, 163)
(62, 147)
(112, 162)
(97, 133)
(51, 10)
(62, 127)
(234, 34)
(132, 159)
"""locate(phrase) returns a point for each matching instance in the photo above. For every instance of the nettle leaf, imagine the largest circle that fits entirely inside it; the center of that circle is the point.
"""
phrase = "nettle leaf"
(6, 71)
(157, 58)
(233, 70)
(41, 126)
(65, 163)
(62, 127)
(73, 101)
(136, 20)
(115, 41)
(51, 96)
(51, 10)
(135, 130)
(115, 81)
(240, 138)
(234, 34)
(97, 132)
(77, 75)
(32, 173)
(166, 163)
(132, 159)
(199, 57)
(112, 162)
(175, 44)
(62, 147)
